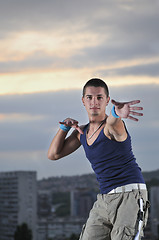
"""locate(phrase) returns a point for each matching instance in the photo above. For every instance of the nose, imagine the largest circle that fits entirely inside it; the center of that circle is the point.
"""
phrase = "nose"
(94, 101)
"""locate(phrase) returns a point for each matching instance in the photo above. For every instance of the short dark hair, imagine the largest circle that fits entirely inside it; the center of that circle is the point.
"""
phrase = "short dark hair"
(96, 82)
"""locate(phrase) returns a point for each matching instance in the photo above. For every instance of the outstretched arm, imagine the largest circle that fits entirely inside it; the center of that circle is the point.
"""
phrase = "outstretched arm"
(62, 146)
(122, 110)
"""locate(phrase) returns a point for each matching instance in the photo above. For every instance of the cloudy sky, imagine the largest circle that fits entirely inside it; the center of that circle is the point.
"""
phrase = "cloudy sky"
(48, 50)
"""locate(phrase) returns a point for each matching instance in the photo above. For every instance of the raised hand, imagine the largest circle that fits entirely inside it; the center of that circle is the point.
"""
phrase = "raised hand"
(126, 110)
(69, 122)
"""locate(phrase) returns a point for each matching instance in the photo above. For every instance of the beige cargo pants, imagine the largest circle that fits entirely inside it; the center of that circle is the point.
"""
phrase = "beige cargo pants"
(115, 216)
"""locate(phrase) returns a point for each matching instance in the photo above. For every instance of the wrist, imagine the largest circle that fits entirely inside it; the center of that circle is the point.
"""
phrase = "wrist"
(114, 113)
(65, 128)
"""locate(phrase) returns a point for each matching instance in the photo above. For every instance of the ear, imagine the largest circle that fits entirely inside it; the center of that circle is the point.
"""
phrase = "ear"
(83, 101)
(108, 99)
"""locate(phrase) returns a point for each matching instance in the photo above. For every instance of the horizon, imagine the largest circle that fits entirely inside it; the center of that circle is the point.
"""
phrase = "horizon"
(67, 176)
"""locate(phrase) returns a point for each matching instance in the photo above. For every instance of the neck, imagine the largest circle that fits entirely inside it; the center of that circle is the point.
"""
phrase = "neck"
(94, 129)
(93, 120)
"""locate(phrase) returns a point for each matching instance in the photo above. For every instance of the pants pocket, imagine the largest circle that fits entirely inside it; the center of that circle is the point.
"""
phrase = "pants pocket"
(128, 233)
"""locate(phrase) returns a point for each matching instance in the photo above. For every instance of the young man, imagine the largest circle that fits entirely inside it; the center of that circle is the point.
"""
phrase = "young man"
(120, 209)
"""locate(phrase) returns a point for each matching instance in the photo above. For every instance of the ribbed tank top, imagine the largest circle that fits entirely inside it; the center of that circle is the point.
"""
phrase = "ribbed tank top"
(113, 162)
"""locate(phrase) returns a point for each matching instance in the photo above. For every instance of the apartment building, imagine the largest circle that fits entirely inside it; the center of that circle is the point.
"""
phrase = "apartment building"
(18, 202)
(82, 200)
(154, 213)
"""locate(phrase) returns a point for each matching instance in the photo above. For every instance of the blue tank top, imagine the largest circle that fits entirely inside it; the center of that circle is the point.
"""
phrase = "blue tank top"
(113, 162)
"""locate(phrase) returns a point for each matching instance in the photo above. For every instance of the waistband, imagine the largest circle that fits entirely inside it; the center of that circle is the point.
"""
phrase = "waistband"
(129, 188)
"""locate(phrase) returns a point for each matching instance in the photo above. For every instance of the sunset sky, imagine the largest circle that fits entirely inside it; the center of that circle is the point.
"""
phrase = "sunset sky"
(49, 49)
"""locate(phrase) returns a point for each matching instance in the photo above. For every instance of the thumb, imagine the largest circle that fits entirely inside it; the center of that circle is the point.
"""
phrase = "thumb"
(114, 102)
(79, 129)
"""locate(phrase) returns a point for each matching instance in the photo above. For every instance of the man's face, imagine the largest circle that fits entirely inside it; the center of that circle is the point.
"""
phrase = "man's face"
(95, 101)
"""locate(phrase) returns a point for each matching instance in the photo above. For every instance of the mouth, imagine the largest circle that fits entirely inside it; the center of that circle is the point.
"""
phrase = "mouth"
(94, 108)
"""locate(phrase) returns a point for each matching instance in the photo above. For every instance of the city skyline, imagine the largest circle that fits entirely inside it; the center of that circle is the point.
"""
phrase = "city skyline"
(49, 50)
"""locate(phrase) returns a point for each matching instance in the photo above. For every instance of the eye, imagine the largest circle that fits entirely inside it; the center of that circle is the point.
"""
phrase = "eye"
(89, 97)
(99, 98)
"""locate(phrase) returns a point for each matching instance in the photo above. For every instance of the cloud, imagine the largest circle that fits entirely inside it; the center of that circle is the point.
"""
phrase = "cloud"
(58, 44)
(69, 33)
(28, 123)
(43, 15)
(150, 69)
(33, 117)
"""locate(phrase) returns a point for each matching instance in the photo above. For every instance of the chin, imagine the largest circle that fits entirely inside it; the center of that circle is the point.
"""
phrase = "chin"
(94, 114)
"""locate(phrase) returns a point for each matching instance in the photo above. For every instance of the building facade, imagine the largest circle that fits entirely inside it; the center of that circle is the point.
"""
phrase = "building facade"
(18, 202)
(59, 228)
(154, 213)
(82, 201)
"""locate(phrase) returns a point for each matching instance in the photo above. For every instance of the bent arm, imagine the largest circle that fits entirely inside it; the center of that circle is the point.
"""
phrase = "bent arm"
(62, 146)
